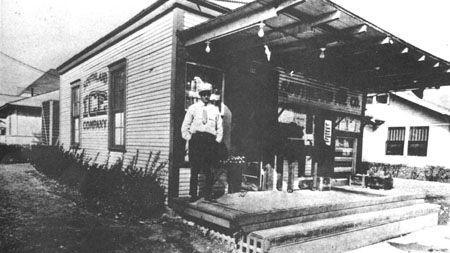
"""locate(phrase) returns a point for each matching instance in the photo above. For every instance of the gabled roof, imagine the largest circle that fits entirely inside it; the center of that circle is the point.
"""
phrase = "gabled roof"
(409, 96)
(30, 102)
(46, 83)
(36, 101)
(140, 20)
(4, 98)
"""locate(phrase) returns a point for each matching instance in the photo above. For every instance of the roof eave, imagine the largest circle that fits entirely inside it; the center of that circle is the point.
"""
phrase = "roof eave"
(445, 115)
(130, 26)
(257, 11)
(64, 67)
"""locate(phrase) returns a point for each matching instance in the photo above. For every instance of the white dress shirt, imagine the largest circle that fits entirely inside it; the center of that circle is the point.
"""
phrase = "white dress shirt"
(202, 118)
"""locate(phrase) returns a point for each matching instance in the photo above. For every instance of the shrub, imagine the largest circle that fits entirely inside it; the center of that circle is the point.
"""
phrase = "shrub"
(131, 190)
(14, 153)
(429, 173)
(436, 173)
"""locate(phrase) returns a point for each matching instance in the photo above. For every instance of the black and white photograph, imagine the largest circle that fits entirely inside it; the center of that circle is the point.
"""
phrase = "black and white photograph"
(224, 126)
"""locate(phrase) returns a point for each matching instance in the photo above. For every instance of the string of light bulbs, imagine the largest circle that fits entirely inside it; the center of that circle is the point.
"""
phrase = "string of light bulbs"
(267, 50)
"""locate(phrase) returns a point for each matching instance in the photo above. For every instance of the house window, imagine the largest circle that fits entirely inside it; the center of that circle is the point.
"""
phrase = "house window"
(117, 106)
(369, 100)
(75, 114)
(395, 141)
(418, 141)
(382, 99)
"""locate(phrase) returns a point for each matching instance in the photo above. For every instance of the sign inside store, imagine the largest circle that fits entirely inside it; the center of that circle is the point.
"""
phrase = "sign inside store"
(327, 128)
(297, 89)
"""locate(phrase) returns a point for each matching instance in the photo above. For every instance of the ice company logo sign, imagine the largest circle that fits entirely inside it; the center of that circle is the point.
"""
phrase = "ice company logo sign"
(95, 124)
(95, 103)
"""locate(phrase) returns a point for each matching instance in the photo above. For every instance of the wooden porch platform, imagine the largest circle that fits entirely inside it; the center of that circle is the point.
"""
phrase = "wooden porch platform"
(252, 211)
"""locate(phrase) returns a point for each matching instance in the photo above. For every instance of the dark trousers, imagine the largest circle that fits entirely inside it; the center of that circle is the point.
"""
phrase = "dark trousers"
(293, 150)
(202, 157)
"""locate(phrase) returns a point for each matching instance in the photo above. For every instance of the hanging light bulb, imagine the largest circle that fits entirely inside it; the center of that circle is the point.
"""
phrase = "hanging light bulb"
(322, 52)
(261, 30)
(207, 48)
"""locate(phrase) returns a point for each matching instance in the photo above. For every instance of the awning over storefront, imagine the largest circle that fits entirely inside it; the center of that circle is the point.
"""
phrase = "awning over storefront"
(321, 39)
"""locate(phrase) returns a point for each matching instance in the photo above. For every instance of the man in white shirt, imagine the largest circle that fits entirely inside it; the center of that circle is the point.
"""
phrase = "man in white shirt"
(202, 128)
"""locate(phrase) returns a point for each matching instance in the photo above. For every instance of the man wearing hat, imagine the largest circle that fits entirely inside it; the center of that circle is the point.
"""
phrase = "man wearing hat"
(202, 128)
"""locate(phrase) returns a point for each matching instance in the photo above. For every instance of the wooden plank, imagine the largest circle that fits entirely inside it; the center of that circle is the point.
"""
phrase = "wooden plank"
(327, 215)
(233, 26)
(358, 238)
(245, 219)
(191, 19)
(208, 217)
(302, 26)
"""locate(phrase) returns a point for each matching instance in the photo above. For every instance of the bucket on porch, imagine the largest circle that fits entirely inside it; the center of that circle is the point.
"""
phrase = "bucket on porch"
(233, 168)
(234, 176)
(220, 186)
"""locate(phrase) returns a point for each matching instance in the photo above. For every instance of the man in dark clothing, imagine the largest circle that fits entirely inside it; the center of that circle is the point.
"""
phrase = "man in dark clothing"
(291, 147)
(202, 128)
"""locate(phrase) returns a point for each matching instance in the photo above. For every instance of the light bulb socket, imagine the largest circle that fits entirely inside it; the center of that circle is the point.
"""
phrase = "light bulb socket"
(208, 48)
(261, 30)
(322, 52)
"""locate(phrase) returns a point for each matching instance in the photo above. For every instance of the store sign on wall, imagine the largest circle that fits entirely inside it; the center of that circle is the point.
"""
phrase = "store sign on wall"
(95, 103)
(96, 77)
(95, 124)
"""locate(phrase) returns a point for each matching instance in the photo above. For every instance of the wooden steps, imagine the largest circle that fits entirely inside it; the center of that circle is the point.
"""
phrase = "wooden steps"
(232, 218)
(325, 213)
(346, 232)
(334, 225)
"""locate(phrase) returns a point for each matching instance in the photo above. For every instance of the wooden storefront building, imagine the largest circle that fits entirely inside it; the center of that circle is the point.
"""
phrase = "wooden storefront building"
(307, 62)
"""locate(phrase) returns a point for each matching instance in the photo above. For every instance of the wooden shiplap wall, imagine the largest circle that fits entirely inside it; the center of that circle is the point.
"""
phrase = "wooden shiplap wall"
(148, 54)
(191, 19)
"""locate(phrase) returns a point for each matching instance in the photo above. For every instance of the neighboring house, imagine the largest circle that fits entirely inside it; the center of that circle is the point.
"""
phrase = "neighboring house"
(2, 131)
(33, 116)
(406, 130)
(7, 98)
(23, 119)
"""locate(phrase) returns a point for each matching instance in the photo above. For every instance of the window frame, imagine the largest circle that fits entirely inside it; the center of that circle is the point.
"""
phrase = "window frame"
(397, 140)
(75, 85)
(413, 136)
(379, 97)
(115, 67)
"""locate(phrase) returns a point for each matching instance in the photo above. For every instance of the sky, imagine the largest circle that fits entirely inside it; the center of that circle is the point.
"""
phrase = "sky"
(45, 33)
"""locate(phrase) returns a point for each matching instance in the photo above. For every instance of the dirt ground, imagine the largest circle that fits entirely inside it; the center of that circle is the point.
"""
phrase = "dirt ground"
(39, 215)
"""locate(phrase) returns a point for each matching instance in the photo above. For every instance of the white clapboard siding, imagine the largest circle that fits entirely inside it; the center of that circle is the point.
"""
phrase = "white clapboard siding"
(148, 52)
(191, 20)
